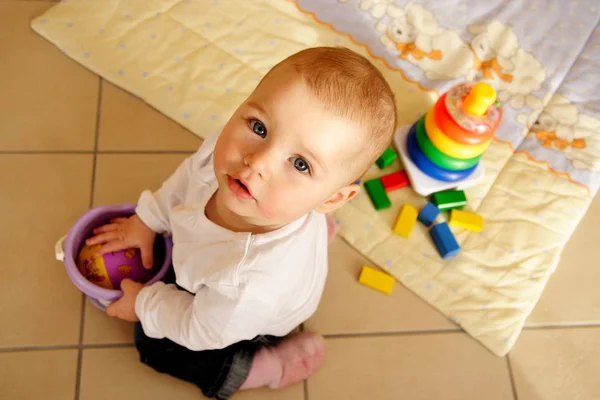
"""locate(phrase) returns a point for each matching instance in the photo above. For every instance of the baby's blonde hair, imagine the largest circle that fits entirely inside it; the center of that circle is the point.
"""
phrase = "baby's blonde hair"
(350, 87)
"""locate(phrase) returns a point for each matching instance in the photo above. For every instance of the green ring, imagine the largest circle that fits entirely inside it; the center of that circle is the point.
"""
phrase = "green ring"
(436, 156)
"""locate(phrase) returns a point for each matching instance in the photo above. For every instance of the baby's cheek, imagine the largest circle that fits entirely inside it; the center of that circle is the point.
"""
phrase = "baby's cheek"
(284, 206)
(219, 157)
(226, 152)
(267, 211)
(275, 207)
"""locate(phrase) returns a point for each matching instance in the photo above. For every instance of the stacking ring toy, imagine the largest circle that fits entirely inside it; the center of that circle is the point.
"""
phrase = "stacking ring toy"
(437, 157)
(449, 146)
(429, 168)
(448, 125)
(474, 106)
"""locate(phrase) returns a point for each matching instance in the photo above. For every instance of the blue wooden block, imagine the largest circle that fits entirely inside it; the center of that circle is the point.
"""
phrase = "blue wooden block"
(428, 214)
(444, 240)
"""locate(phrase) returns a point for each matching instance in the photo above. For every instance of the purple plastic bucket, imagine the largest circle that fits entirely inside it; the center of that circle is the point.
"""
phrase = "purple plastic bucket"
(82, 229)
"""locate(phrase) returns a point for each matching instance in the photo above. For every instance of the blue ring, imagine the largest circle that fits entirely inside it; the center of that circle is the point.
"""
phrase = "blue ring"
(428, 167)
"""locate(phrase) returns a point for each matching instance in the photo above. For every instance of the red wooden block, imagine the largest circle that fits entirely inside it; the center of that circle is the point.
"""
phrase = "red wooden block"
(395, 181)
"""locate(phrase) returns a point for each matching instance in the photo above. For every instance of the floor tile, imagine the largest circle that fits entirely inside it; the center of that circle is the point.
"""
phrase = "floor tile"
(557, 364)
(128, 123)
(120, 178)
(295, 392)
(48, 101)
(102, 329)
(130, 379)
(47, 194)
(46, 374)
(349, 307)
(449, 366)
(572, 295)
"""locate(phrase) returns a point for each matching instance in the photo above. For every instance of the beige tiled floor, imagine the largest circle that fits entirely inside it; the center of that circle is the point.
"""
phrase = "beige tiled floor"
(69, 141)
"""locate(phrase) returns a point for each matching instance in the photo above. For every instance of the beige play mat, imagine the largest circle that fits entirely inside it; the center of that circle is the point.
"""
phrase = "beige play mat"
(196, 60)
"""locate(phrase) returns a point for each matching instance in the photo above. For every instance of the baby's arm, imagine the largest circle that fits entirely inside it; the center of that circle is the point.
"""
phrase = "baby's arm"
(204, 321)
(151, 217)
(153, 208)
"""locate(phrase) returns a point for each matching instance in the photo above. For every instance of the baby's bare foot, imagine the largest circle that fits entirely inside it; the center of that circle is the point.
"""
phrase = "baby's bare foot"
(290, 362)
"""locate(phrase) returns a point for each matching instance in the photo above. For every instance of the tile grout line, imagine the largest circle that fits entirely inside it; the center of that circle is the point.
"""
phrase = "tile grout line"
(118, 152)
(96, 141)
(39, 348)
(44, 152)
(91, 204)
(445, 331)
(568, 326)
(393, 333)
(66, 347)
(107, 345)
(305, 388)
(79, 348)
(328, 336)
(147, 151)
(511, 377)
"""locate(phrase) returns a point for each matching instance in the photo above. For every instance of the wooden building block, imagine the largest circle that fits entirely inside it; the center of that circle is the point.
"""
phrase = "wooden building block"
(406, 220)
(377, 194)
(394, 181)
(428, 214)
(376, 280)
(444, 240)
(386, 158)
(449, 199)
(466, 220)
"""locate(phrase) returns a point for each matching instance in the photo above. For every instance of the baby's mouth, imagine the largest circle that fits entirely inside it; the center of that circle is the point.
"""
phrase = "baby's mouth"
(242, 185)
(239, 188)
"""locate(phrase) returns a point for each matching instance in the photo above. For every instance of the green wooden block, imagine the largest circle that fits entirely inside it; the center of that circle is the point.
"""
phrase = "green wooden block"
(449, 199)
(386, 158)
(377, 194)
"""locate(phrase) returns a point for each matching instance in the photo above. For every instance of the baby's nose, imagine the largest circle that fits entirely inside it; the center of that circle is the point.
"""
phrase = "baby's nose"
(259, 163)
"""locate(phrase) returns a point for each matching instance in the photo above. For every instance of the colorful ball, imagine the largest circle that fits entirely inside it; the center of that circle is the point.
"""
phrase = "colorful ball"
(108, 270)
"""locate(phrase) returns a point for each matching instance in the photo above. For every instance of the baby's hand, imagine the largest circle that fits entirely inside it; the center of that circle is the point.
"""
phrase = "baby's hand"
(124, 308)
(125, 233)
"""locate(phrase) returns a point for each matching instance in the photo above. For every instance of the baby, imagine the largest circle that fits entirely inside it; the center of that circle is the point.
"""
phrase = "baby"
(247, 217)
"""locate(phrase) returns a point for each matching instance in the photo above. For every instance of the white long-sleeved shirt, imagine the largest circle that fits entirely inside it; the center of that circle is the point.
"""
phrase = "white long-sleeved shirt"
(243, 284)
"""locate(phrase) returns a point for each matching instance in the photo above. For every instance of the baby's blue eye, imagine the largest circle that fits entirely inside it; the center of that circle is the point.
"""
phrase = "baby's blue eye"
(301, 164)
(258, 128)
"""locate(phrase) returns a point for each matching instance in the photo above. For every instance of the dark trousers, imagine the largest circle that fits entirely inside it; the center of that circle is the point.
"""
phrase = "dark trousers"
(218, 373)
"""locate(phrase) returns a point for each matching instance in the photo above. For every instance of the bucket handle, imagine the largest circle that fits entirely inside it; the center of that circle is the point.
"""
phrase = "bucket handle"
(59, 251)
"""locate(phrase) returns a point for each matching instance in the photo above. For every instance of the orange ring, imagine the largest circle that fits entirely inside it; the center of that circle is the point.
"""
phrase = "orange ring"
(448, 146)
(448, 125)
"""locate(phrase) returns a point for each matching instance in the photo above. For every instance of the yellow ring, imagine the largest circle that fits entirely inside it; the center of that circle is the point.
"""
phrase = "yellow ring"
(448, 146)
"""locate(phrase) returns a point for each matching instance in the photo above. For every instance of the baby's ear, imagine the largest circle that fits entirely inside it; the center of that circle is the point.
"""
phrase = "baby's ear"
(339, 198)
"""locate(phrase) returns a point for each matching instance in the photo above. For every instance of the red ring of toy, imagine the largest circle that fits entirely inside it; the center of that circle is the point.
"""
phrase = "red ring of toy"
(448, 125)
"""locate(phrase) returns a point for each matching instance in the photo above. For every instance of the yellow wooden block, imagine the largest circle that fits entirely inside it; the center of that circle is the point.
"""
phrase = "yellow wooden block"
(406, 220)
(466, 220)
(376, 280)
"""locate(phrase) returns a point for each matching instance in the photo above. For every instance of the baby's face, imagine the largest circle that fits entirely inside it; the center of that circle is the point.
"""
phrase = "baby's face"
(282, 154)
